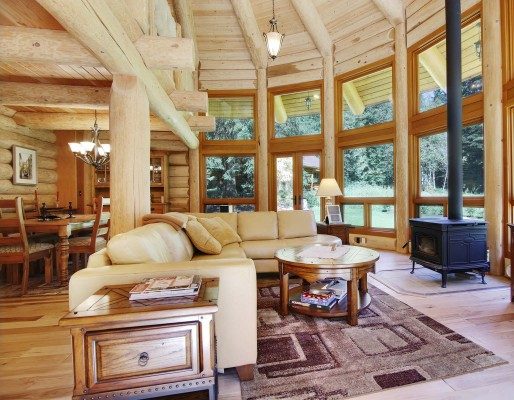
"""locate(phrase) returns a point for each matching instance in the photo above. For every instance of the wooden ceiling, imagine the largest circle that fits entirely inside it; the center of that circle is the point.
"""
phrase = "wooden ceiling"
(359, 31)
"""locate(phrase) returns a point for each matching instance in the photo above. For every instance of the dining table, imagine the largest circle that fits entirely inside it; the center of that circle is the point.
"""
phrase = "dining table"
(62, 227)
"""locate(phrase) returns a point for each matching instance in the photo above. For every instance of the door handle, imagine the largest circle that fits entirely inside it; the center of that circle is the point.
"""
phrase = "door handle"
(294, 200)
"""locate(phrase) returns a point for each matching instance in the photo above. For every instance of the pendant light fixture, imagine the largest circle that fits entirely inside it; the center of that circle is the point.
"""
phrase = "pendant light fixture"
(273, 37)
(93, 152)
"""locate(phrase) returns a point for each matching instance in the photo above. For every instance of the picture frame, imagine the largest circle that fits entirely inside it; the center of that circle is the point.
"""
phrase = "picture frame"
(333, 214)
(24, 165)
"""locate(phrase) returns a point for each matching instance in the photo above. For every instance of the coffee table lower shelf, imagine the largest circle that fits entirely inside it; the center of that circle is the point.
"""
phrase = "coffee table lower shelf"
(338, 311)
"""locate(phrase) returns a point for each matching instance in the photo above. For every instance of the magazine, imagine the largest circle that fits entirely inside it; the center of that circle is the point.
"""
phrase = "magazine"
(173, 286)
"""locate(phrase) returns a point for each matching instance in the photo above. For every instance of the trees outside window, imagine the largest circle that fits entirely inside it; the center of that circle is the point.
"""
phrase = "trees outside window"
(297, 113)
(230, 177)
(234, 118)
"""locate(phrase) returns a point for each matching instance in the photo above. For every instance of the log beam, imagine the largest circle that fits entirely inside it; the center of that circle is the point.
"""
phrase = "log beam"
(71, 121)
(435, 64)
(20, 44)
(393, 10)
(130, 139)
(493, 128)
(279, 109)
(314, 24)
(88, 97)
(353, 99)
(251, 32)
(99, 30)
(262, 135)
(184, 15)
(328, 118)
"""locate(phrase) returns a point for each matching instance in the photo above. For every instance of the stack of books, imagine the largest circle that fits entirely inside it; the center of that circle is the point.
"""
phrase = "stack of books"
(172, 286)
(323, 294)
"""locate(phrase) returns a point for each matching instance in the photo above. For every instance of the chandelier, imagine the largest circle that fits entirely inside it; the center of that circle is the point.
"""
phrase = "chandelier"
(93, 152)
(273, 37)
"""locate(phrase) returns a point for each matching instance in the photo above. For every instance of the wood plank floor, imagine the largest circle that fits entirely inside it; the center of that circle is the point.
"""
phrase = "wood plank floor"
(36, 362)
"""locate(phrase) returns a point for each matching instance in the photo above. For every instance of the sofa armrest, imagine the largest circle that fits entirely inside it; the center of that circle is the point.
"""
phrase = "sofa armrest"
(99, 259)
(237, 298)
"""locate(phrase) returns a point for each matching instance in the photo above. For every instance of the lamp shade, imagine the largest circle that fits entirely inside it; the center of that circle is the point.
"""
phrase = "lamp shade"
(328, 188)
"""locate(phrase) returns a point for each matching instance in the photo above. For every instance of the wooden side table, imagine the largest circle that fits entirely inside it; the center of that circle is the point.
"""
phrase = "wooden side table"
(342, 231)
(143, 349)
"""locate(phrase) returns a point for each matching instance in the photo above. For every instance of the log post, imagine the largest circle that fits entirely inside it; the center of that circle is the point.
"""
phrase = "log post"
(130, 140)
(194, 180)
(328, 116)
(493, 129)
(262, 134)
(402, 138)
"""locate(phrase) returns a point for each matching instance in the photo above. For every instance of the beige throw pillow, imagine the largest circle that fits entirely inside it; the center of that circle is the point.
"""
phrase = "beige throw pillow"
(221, 230)
(202, 239)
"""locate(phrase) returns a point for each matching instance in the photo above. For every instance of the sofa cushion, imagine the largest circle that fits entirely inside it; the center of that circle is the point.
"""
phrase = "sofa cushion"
(221, 230)
(297, 223)
(262, 249)
(202, 239)
(155, 243)
(260, 225)
(231, 251)
(229, 218)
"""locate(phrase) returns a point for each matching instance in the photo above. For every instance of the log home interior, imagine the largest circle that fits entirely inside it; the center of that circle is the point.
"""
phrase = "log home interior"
(332, 179)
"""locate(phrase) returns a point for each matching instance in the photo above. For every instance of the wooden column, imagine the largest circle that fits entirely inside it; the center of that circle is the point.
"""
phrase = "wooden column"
(194, 180)
(328, 117)
(262, 134)
(493, 128)
(129, 128)
(402, 138)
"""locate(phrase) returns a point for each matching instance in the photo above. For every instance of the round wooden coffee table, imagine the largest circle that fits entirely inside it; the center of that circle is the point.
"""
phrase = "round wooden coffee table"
(352, 266)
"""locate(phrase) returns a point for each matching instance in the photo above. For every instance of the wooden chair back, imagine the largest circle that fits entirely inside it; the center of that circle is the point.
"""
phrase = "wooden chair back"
(13, 230)
(102, 221)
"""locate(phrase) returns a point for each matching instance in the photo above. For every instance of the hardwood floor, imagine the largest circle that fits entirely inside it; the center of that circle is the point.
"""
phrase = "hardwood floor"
(36, 363)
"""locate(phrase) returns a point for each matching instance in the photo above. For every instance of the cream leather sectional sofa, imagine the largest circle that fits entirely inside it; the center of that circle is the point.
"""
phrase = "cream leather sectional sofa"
(159, 250)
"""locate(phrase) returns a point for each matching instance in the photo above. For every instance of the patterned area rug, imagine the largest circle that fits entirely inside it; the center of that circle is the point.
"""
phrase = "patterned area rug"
(304, 358)
(36, 288)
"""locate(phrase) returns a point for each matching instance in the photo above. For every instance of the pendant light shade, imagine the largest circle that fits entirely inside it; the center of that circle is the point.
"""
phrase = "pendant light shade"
(273, 37)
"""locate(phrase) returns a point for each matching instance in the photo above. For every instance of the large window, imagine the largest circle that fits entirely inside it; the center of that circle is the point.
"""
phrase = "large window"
(433, 171)
(432, 68)
(297, 113)
(229, 177)
(367, 100)
(234, 118)
(368, 186)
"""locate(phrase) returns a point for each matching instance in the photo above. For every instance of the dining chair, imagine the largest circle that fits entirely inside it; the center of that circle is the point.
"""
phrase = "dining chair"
(97, 240)
(16, 248)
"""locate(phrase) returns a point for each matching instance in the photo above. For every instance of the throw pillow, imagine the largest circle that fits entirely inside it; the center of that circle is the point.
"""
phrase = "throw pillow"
(221, 230)
(202, 239)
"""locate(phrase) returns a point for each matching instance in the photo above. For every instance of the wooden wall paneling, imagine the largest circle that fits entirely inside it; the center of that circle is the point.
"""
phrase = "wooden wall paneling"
(66, 168)
(493, 131)
(328, 117)
(370, 57)
(262, 135)
(298, 77)
(179, 186)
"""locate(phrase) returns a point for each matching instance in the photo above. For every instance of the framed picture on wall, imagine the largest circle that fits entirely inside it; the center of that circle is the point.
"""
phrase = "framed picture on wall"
(334, 214)
(24, 165)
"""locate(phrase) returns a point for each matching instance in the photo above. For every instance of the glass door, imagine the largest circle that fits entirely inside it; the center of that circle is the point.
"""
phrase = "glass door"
(297, 177)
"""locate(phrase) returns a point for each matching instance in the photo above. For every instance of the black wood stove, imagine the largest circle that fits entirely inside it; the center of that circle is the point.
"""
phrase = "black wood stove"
(453, 244)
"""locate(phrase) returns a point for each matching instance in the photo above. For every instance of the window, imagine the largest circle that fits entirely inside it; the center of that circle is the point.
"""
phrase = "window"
(367, 100)
(234, 118)
(369, 171)
(297, 114)
(353, 214)
(430, 211)
(230, 177)
(432, 68)
(434, 162)
(216, 208)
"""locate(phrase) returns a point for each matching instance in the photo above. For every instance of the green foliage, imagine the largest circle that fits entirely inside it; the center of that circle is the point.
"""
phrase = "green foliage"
(232, 129)
(299, 125)
(230, 177)
(437, 97)
(373, 114)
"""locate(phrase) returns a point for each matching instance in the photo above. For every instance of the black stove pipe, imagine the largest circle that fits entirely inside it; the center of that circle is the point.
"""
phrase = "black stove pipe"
(454, 95)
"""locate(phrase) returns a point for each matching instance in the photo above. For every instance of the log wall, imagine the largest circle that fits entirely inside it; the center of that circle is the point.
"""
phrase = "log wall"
(43, 142)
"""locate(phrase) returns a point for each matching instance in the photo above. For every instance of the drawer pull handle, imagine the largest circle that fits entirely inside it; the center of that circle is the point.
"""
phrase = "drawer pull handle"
(143, 359)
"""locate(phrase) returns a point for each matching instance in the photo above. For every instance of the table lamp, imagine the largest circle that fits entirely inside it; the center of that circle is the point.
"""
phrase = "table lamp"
(328, 188)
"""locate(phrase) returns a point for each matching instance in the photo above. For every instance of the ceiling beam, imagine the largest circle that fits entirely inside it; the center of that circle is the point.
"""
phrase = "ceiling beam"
(71, 121)
(393, 10)
(20, 44)
(87, 97)
(435, 64)
(101, 32)
(353, 99)
(184, 15)
(314, 24)
(252, 35)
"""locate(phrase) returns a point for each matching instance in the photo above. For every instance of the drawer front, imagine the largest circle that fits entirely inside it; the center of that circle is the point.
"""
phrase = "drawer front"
(142, 352)
(158, 208)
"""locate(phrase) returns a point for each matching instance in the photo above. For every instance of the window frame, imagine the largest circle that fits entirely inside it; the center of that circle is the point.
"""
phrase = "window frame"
(230, 148)
(306, 142)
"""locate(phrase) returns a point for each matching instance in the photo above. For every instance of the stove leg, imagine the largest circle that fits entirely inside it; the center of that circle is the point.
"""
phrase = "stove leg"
(444, 279)
(412, 270)
(482, 274)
